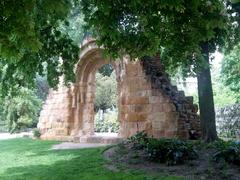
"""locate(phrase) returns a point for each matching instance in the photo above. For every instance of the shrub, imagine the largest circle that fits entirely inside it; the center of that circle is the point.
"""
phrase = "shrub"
(228, 151)
(170, 151)
(36, 133)
(139, 140)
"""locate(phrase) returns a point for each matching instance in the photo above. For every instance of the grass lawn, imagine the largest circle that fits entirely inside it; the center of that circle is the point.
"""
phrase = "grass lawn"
(25, 158)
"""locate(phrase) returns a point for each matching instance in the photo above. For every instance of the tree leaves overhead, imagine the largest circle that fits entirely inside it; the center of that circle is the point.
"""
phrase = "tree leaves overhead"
(177, 28)
(31, 42)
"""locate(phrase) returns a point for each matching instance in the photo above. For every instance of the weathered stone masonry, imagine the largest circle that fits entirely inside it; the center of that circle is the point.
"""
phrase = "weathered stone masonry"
(146, 101)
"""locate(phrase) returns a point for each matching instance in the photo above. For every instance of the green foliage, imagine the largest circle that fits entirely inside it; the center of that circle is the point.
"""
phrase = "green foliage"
(170, 151)
(222, 95)
(231, 71)
(106, 92)
(22, 110)
(42, 87)
(75, 25)
(228, 151)
(36, 133)
(139, 140)
(109, 123)
(31, 43)
(176, 29)
(106, 70)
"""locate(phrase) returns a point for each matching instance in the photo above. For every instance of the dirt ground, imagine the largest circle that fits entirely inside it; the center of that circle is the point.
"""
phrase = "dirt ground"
(201, 168)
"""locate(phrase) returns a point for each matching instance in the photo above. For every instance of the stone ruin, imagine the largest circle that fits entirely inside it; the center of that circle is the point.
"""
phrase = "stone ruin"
(146, 101)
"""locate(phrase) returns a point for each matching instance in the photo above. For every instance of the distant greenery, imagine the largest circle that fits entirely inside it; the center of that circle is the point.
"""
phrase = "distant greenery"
(106, 70)
(75, 25)
(28, 159)
(106, 92)
(105, 105)
(231, 71)
(109, 123)
(21, 110)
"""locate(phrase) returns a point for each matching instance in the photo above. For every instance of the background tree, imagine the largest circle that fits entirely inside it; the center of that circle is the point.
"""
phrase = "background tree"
(231, 71)
(106, 118)
(106, 92)
(22, 110)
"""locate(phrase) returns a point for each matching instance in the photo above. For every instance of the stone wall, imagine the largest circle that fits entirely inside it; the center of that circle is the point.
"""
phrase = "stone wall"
(179, 106)
(146, 101)
(56, 118)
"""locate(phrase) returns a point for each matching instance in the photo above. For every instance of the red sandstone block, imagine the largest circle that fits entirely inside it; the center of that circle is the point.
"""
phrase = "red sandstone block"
(172, 116)
(136, 117)
(168, 107)
(157, 108)
(183, 134)
(138, 100)
(158, 133)
(169, 133)
(140, 108)
(155, 99)
(131, 69)
(123, 100)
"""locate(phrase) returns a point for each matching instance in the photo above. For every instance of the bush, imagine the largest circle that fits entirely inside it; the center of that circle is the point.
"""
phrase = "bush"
(170, 151)
(139, 140)
(228, 151)
(36, 133)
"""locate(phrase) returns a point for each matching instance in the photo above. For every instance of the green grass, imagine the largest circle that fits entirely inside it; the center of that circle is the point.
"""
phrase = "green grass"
(31, 159)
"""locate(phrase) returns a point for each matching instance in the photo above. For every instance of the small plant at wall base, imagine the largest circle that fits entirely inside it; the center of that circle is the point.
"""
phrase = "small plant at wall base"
(139, 140)
(36, 133)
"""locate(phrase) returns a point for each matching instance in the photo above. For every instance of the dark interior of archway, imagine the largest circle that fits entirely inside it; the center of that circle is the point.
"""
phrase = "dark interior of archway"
(105, 103)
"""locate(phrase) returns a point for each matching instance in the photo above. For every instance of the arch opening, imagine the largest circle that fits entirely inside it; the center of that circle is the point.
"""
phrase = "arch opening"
(106, 121)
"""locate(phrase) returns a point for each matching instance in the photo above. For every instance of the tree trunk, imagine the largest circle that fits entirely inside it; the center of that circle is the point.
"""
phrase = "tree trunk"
(206, 103)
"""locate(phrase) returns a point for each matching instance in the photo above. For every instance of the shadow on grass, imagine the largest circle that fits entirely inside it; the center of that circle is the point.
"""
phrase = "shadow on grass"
(33, 160)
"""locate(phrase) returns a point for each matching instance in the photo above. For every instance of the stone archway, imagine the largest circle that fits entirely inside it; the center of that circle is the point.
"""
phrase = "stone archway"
(86, 69)
(146, 101)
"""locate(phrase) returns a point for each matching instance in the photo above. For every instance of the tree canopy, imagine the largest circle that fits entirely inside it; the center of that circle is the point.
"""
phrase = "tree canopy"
(178, 28)
(31, 42)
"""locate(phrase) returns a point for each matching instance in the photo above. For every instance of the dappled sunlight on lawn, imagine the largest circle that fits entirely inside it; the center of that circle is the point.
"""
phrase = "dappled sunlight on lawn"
(24, 158)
